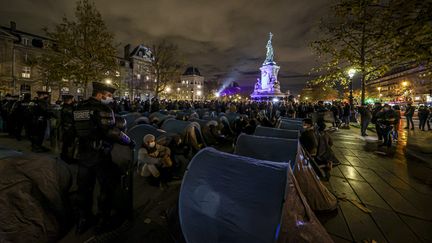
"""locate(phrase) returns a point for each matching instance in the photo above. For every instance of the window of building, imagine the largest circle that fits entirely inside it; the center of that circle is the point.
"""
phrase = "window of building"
(26, 57)
(138, 76)
(26, 72)
(26, 41)
(25, 88)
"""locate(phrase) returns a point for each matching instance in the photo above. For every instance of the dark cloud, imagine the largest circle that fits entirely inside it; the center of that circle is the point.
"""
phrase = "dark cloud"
(226, 39)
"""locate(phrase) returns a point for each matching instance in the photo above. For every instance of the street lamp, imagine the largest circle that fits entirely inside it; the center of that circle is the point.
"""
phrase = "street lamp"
(351, 73)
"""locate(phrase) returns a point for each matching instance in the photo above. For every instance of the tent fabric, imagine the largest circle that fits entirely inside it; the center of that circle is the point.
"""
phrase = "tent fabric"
(141, 120)
(32, 192)
(189, 131)
(209, 138)
(276, 132)
(318, 196)
(299, 223)
(130, 118)
(230, 198)
(159, 118)
(288, 125)
(267, 148)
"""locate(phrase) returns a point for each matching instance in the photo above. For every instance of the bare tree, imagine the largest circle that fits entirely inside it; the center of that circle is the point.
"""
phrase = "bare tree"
(165, 66)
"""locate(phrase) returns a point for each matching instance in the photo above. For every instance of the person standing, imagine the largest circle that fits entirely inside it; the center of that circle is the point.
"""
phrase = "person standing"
(19, 112)
(67, 128)
(96, 132)
(375, 112)
(365, 116)
(386, 119)
(423, 114)
(346, 115)
(39, 110)
(409, 113)
(395, 132)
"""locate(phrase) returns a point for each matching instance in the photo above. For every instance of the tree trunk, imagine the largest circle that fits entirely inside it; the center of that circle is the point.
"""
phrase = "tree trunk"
(363, 88)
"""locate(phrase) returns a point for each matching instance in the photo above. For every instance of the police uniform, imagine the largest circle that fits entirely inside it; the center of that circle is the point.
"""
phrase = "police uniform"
(96, 133)
(19, 114)
(39, 109)
(68, 131)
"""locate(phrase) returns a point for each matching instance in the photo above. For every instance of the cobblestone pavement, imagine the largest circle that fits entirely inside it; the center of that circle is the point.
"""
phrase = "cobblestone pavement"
(383, 195)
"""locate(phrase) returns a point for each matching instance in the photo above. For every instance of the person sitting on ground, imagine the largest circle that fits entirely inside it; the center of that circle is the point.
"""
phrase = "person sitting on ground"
(325, 156)
(308, 137)
(155, 160)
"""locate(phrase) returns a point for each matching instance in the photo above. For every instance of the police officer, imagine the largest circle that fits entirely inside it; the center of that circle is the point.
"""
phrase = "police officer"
(67, 128)
(96, 133)
(39, 109)
(18, 112)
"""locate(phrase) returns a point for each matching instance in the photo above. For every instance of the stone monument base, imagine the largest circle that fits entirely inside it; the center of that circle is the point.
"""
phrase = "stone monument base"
(267, 96)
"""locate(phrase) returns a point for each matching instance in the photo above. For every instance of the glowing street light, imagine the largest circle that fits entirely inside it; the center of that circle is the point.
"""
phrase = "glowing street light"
(404, 83)
(216, 94)
(167, 89)
(351, 73)
(108, 81)
(199, 93)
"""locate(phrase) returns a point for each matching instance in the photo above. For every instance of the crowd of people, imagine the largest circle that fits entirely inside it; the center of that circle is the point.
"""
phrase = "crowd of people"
(88, 129)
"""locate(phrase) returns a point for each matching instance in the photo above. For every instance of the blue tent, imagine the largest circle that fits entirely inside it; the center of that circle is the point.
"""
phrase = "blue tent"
(267, 148)
(230, 198)
(289, 125)
(276, 132)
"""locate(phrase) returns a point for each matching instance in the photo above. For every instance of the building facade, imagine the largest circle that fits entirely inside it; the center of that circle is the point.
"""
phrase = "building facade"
(403, 85)
(190, 86)
(137, 80)
(19, 72)
(19, 51)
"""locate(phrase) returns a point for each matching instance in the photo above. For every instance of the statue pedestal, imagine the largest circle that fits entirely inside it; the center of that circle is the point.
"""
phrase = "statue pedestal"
(268, 87)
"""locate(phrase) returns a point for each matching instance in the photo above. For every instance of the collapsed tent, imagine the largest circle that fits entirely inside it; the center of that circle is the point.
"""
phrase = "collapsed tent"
(267, 148)
(318, 196)
(276, 132)
(32, 199)
(246, 204)
(190, 132)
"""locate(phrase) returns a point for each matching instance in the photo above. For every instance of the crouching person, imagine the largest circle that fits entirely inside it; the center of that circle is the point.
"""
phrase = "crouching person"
(325, 156)
(154, 160)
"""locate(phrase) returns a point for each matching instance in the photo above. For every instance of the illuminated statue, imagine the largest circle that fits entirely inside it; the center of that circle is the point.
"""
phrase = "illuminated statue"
(268, 87)
(270, 54)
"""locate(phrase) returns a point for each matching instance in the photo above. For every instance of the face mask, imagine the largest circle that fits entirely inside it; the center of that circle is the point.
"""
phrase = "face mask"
(107, 100)
(152, 144)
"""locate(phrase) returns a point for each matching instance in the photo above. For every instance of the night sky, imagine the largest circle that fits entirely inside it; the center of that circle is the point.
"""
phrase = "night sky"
(225, 39)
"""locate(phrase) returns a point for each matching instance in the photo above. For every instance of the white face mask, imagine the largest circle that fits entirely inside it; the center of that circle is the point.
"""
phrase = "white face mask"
(152, 144)
(107, 100)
